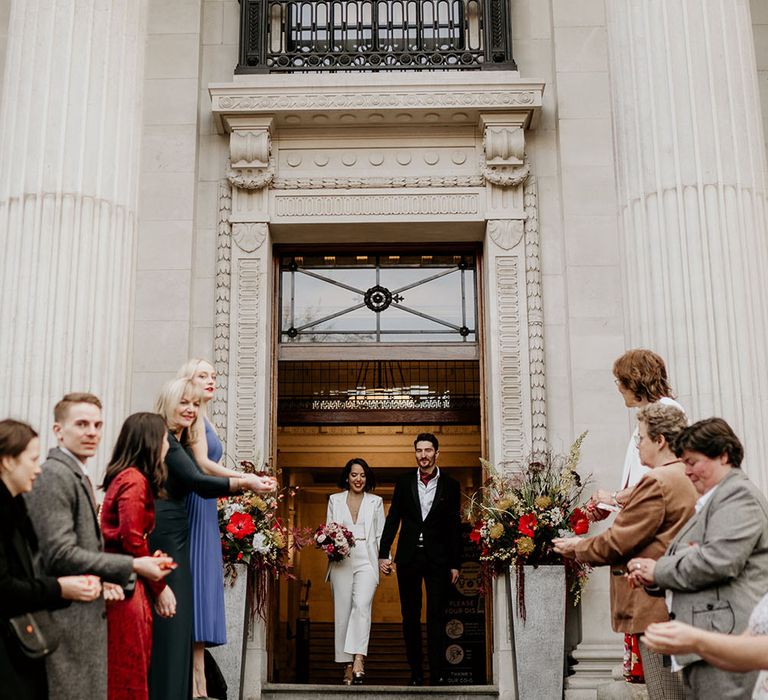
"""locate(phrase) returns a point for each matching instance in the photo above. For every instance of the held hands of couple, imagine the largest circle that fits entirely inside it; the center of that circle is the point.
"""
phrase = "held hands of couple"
(385, 566)
(83, 589)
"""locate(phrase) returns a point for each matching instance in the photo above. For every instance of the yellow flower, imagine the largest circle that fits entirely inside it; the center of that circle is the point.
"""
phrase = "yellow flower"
(278, 539)
(542, 502)
(504, 504)
(259, 503)
(525, 546)
(495, 531)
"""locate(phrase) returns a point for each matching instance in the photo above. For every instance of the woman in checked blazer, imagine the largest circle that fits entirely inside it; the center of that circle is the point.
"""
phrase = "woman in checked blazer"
(354, 580)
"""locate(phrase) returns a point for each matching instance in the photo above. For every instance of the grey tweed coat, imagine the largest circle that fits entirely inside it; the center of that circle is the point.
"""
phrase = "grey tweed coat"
(67, 528)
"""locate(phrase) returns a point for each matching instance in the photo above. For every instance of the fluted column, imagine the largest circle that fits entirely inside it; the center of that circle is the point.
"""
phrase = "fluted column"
(69, 151)
(691, 171)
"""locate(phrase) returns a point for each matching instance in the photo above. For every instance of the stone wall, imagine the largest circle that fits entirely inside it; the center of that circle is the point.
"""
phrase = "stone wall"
(167, 207)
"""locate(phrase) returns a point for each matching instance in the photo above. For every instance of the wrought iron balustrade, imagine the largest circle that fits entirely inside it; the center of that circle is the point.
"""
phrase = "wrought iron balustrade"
(295, 36)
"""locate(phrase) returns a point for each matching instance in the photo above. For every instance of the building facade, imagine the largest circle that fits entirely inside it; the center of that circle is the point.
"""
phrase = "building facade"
(592, 176)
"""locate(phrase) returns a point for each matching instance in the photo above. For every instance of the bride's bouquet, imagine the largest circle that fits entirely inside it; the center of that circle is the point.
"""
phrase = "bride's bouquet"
(335, 540)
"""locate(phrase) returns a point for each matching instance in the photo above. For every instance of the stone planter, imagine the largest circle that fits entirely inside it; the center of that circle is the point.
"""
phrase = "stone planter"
(539, 639)
(230, 656)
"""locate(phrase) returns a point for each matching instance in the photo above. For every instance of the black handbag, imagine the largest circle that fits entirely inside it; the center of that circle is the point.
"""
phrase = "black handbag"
(37, 633)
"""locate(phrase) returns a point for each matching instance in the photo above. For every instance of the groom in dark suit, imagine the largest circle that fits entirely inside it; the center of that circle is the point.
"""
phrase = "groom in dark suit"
(426, 502)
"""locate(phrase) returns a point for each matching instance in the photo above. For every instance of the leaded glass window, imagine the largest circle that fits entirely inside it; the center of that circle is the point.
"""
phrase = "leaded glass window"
(379, 298)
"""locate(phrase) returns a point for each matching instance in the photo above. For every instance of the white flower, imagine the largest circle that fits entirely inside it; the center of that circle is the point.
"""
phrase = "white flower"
(555, 515)
(260, 543)
(231, 508)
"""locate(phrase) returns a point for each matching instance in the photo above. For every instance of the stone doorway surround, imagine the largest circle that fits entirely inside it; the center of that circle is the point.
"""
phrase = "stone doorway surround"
(367, 158)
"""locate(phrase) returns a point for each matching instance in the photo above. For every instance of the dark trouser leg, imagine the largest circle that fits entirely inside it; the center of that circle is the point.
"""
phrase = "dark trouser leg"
(409, 578)
(438, 583)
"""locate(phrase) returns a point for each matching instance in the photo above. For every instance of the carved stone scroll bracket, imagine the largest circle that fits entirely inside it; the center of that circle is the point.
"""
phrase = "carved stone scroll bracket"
(506, 233)
(250, 152)
(249, 237)
(504, 146)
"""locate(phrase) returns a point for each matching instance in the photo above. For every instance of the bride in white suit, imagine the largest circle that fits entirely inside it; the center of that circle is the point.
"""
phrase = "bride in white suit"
(354, 580)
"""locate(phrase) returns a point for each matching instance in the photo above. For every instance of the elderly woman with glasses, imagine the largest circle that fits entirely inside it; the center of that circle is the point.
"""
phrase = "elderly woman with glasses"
(655, 510)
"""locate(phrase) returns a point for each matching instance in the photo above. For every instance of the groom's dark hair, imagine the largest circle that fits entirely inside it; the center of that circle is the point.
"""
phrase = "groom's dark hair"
(426, 437)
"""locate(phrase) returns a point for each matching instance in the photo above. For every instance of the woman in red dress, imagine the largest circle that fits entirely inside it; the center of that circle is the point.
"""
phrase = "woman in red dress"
(135, 476)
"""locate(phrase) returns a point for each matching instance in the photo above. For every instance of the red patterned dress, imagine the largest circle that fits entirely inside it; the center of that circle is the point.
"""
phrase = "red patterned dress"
(127, 518)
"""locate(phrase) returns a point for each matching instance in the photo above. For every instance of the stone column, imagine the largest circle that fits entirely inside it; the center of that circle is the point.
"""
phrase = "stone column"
(691, 173)
(69, 152)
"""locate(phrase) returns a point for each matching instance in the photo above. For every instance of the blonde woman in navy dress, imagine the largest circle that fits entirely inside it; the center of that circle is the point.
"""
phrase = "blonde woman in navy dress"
(355, 579)
(210, 628)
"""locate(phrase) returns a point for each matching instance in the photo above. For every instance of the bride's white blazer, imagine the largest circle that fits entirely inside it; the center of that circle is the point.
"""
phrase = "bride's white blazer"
(372, 512)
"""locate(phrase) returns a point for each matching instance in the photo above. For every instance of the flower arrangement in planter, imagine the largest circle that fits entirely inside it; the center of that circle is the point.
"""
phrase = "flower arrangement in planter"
(335, 540)
(254, 534)
(516, 514)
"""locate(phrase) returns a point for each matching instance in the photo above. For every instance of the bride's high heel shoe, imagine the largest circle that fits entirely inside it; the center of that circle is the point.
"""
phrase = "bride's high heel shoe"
(359, 675)
(347, 680)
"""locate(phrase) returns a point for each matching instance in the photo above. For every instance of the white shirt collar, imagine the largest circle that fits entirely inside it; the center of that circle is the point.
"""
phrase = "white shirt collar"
(702, 500)
(77, 459)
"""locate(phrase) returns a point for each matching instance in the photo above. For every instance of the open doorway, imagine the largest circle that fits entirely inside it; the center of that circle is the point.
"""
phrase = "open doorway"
(374, 346)
(312, 457)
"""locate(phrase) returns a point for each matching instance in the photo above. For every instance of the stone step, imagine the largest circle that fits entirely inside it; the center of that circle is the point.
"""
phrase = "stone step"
(293, 691)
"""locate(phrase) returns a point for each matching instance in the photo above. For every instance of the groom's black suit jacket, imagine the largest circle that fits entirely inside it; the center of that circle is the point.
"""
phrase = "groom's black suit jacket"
(441, 528)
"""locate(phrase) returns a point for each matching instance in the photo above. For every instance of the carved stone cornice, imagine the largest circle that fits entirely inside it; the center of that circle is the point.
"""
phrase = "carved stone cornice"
(405, 99)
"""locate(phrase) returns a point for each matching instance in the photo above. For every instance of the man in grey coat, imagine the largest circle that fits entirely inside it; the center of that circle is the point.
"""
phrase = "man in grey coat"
(716, 568)
(62, 507)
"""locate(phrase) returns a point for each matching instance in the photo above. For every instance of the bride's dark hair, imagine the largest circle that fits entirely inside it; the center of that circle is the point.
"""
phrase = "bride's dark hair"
(370, 479)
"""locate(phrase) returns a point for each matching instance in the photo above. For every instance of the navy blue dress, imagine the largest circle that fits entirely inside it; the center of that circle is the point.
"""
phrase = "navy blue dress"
(205, 559)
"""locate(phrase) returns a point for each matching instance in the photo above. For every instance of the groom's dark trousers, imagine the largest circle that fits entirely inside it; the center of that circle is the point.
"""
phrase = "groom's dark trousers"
(427, 550)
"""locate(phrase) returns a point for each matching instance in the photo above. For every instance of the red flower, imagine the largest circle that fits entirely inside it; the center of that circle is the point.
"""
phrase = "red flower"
(241, 525)
(579, 522)
(475, 535)
(527, 524)
(239, 556)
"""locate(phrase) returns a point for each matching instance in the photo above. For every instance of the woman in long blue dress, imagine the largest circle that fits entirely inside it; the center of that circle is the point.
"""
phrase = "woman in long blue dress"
(210, 627)
(170, 673)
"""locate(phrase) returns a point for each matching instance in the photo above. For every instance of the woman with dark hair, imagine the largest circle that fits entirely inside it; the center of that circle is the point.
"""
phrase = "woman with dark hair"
(354, 580)
(22, 590)
(715, 570)
(135, 476)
